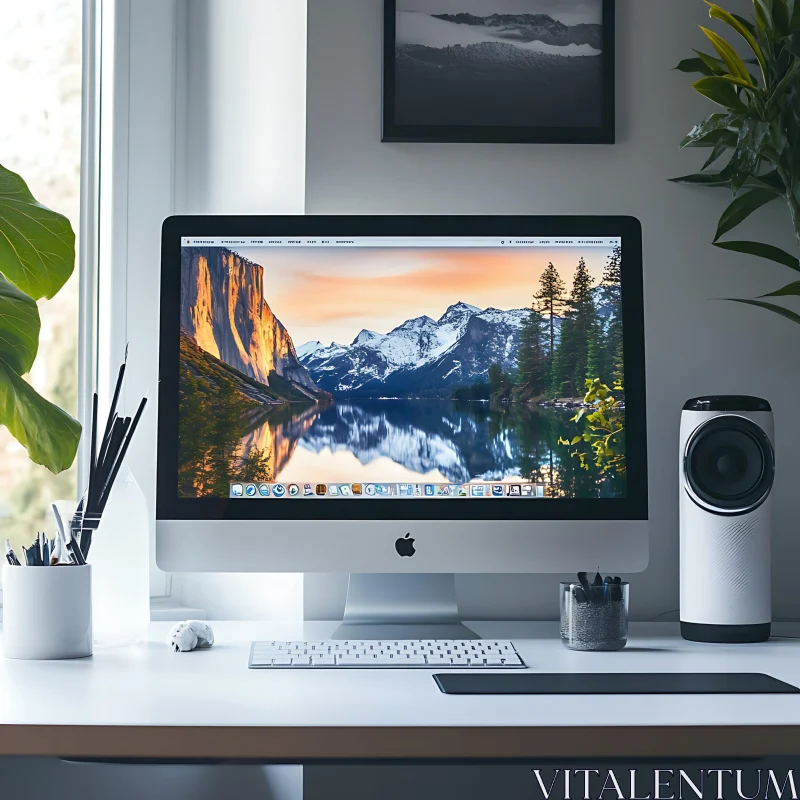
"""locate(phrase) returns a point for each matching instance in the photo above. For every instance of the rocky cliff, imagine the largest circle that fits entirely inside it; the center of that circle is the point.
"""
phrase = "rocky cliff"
(223, 309)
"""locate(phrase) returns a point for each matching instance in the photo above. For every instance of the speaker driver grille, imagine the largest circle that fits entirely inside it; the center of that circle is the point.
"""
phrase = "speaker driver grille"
(729, 465)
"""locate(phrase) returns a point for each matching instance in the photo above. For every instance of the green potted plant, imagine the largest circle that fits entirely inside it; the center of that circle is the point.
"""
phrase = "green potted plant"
(37, 257)
(756, 124)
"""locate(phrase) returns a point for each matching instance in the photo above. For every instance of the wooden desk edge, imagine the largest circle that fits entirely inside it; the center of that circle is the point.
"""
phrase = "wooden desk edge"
(298, 744)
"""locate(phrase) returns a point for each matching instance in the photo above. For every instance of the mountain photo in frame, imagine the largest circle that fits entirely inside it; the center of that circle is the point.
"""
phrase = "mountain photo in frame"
(538, 71)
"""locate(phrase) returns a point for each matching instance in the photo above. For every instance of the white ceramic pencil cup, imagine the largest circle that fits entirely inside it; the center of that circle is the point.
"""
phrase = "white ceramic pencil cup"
(47, 612)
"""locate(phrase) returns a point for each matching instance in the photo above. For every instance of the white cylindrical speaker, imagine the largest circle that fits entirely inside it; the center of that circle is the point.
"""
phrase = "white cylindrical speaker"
(727, 467)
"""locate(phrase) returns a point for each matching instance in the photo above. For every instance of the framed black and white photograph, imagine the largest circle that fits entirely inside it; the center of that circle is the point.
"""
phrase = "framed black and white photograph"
(498, 71)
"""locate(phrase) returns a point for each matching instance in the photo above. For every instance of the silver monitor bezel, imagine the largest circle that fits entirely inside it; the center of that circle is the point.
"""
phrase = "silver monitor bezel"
(462, 535)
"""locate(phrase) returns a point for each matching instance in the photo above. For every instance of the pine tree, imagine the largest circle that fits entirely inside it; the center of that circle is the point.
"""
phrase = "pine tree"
(499, 383)
(612, 294)
(612, 276)
(533, 366)
(577, 328)
(550, 301)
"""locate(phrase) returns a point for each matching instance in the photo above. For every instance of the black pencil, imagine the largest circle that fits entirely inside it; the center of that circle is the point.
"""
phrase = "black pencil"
(107, 433)
(106, 443)
(118, 432)
(112, 411)
(118, 462)
(75, 550)
(93, 452)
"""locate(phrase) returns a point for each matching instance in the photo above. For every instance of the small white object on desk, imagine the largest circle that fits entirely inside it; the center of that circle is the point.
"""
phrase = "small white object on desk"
(190, 635)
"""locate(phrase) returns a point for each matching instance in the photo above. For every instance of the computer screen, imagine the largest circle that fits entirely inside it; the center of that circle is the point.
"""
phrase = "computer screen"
(371, 368)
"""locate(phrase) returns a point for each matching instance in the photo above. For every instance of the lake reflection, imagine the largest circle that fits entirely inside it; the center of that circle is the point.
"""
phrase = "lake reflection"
(425, 440)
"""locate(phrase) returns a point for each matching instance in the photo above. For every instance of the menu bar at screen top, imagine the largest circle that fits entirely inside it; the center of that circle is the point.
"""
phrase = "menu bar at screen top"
(398, 241)
(261, 490)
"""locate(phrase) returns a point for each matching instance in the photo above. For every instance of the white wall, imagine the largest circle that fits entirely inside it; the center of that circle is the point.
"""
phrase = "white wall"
(695, 344)
(241, 107)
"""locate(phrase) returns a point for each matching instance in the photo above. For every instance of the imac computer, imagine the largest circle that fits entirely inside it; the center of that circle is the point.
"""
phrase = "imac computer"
(402, 399)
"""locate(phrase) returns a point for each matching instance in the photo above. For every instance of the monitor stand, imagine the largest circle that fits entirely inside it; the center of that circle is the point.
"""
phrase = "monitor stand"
(402, 606)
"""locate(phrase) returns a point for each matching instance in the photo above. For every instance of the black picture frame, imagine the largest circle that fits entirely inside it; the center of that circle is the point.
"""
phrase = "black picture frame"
(170, 506)
(604, 133)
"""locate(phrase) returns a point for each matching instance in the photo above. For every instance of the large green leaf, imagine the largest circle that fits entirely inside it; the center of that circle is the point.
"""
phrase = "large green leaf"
(37, 245)
(720, 179)
(695, 65)
(752, 138)
(769, 180)
(745, 84)
(790, 290)
(720, 148)
(716, 66)
(710, 125)
(732, 59)
(723, 136)
(763, 9)
(743, 28)
(784, 312)
(741, 208)
(749, 25)
(767, 251)
(721, 92)
(726, 136)
(49, 434)
(19, 328)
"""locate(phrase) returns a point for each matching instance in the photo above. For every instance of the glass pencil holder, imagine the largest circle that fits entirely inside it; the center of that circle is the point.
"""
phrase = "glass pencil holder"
(597, 620)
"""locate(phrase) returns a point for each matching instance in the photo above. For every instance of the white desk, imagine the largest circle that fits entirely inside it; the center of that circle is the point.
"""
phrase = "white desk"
(146, 702)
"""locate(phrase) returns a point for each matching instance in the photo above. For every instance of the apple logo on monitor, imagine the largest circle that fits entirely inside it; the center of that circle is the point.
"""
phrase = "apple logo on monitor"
(405, 546)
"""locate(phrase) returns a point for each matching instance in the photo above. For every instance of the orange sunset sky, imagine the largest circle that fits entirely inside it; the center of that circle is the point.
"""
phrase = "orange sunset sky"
(331, 295)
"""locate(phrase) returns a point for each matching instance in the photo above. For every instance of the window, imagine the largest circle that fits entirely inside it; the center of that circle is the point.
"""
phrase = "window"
(40, 136)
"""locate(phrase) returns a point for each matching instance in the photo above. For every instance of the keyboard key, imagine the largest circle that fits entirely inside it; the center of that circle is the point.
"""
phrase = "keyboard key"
(350, 661)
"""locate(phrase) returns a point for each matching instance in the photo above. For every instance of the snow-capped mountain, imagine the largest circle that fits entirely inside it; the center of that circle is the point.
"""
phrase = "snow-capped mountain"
(421, 357)
(308, 348)
(531, 27)
(365, 337)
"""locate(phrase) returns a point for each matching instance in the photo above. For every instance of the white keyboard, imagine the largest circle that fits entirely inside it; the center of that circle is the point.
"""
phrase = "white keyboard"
(398, 654)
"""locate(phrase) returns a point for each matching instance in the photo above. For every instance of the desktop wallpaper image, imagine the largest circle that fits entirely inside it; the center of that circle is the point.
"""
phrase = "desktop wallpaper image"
(387, 365)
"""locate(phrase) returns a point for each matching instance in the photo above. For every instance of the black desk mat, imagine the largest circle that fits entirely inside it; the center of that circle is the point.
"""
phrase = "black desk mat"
(612, 683)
